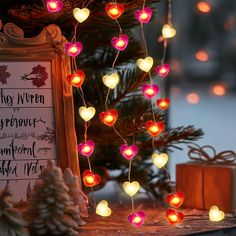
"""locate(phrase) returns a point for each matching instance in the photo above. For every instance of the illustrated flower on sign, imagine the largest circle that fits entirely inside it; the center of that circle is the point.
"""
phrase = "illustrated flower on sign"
(4, 74)
(38, 76)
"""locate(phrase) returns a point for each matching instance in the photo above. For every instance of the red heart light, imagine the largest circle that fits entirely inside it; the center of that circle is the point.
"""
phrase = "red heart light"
(163, 70)
(150, 90)
(163, 103)
(175, 199)
(90, 179)
(120, 43)
(109, 117)
(114, 10)
(137, 219)
(76, 79)
(174, 217)
(154, 128)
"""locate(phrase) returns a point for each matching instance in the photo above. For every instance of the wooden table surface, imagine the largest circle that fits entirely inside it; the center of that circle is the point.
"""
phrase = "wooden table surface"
(155, 224)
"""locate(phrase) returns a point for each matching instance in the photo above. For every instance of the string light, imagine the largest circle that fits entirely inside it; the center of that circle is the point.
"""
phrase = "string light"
(174, 217)
(81, 14)
(74, 49)
(155, 128)
(54, 5)
(175, 199)
(150, 90)
(87, 113)
(120, 43)
(111, 80)
(86, 148)
(137, 219)
(168, 31)
(163, 70)
(90, 179)
(145, 64)
(131, 188)
(76, 79)
(160, 160)
(215, 214)
(128, 152)
(109, 117)
(103, 209)
(144, 15)
(114, 10)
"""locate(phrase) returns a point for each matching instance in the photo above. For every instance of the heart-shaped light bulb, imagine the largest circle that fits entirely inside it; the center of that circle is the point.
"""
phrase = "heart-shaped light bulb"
(145, 64)
(215, 214)
(159, 160)
(163, 70)
(81, 14)
(86, 148)
(54, 5)
(103, 209)
(175, 199)
(73, 49)
(168, 31)
(144, 15)
(128, 152)
(111, 80)
(114, 10)
(87, 113)
(76, 79)
(174, 217)
(137, 219)
(150, 90)
(90, 179)
(131, 188)
(163, 103)
(109, 117)
(155, 128)
(120, 43)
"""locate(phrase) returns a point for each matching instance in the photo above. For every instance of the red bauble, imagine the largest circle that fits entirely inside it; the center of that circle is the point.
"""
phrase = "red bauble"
(114, 10)
(109, 117)
(155, 128)
(175, 199)
(90, 179)
(163, 103)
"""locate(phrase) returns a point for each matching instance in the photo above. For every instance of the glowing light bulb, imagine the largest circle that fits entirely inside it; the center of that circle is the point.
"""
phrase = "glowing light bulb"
(145, 64)
(109, 117)
(111, 80)
(193, 98)
(144, 15)
(215, 214)
(150, 91)
(73, 49)
(204, 7)
(168, 31)
(219, 90)
(175, 199)
(87, 113)
(155, 128)
(120, 43)
(131, 188)
(114, 10)
(90, 179)
(128, 152)
(86, 148)
(160, 160)
(174, 217)
(201, 56)
(137, 219)
(76, 79)
(81, 14)
(103, 209)
(54, 5)
(163, 70)
(163, 103)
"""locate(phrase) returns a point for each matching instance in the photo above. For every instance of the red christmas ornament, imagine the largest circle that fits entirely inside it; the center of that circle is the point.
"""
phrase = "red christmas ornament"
(109, 117)
(154, 128)
(175, 199)
(114, 10)
(163, 103)
(174, 217)
(90, 179)
(76, 79)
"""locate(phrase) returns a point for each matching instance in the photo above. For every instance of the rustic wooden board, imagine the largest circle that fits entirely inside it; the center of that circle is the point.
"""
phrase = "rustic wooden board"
(118, 224)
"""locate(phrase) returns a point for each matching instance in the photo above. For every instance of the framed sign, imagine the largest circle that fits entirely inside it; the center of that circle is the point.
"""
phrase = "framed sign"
(36, 107)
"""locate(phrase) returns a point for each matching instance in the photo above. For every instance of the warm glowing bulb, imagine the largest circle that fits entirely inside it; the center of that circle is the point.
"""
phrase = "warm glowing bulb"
(150, 91)
(193, 98)
(114, 11)
(90, 179)
(137, 219)
(145, 64)
(154, 129)
(102, 209)
(81, 14)
(54, 5)
(120, 43)
(86, 149)
(219, 90)
(76, 79)
(163, 70)
(128, 152)
(173, 218)
(175, 200)
(144, 16)
(201, 56)
(215, 214)
(204, 7)
(111, 80)
(131, 188)
(168, 31)
(87, 113)
(159, 160)
(73, 49)
(109, 118)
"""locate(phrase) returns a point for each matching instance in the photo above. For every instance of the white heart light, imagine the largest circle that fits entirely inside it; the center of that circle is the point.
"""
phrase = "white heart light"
(168, 31)
(159, 160)
(102, 209)
(215, 214)
(111, 80)
(87, 113)
(145, 64)
(81, 14)
(131, 188)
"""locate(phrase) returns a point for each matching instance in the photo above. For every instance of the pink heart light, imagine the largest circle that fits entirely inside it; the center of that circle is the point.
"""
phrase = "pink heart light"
(137, 219)
(163, 70)
(74, 49)
(128, 152)
(54, 5)
(150, 90)
(86, 148)
(120, 43)
(144, 15)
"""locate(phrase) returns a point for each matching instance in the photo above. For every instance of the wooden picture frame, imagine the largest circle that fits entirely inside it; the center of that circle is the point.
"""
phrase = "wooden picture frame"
(48, 46)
